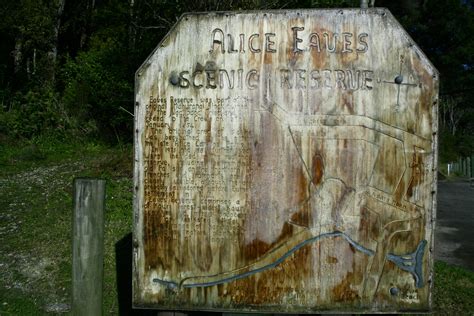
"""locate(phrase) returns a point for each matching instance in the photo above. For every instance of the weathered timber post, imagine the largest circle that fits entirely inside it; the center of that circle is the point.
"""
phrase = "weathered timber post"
(471, 179)
(472, 166)
(468, 167)
(88, 246)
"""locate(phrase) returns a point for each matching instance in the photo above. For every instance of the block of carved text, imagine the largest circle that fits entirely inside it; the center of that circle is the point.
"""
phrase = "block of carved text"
(285, 161)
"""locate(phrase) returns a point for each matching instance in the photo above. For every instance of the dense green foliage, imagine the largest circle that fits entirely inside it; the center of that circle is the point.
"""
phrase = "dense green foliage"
(67, 67)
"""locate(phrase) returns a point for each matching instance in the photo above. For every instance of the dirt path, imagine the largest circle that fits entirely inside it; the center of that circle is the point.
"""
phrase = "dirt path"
(454, 233)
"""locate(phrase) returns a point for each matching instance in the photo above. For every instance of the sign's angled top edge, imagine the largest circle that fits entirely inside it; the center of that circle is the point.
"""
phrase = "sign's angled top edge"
(146, 62)
(414, 45)
(378, 10)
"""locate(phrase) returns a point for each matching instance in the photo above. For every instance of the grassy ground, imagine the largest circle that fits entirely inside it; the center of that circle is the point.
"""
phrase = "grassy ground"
(35, 228)
(35, 221)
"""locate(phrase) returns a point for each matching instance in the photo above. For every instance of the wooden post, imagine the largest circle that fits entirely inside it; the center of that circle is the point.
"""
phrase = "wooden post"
(472, 166)
(471, 179)
(468, 167)
(88, 246)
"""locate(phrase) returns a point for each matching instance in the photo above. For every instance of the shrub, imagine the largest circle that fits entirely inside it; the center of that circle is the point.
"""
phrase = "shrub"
(35, 112)
(96, 87)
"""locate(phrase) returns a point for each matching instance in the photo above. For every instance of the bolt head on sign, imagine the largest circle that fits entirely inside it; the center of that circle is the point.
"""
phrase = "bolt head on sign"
(285, 162)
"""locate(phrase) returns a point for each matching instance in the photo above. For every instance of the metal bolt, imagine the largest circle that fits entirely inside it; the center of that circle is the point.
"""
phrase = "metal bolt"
(394, 291)
(174, 79)
(399, 79)
(135, 243)
(210, 66)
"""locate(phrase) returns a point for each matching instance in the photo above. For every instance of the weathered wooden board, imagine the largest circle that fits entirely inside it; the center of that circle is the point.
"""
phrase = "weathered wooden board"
(285, 162)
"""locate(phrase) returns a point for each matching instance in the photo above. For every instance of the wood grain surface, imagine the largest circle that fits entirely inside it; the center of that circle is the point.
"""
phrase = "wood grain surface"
(285, 161)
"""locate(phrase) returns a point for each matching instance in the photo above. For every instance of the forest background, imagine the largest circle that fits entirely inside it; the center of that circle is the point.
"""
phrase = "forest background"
(67, 67)
(66, 110)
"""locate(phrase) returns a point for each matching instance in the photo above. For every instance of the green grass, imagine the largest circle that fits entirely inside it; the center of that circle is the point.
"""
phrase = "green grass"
(14, 302)
(453, 290)
(35, 227)
(35, 220)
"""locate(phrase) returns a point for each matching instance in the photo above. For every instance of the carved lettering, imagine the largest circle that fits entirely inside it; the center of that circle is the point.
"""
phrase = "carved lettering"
(195, 76)
(231, 48)
(347, 42)
(296, 39)
(314, 43)
(285, 79)
(363, 43)
(330, 41)
(242, 43)
(315, 79)
(252, 48)
(216, 41)
(252, 79)
(300, 79)
(183, 79)
(222, 73)
(269, 43)
(340, 77)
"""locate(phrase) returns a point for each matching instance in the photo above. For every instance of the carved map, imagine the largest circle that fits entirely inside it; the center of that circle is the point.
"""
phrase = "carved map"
(285, 161)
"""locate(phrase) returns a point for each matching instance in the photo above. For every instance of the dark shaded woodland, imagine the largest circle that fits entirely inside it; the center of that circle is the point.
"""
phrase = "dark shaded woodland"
(67, 67)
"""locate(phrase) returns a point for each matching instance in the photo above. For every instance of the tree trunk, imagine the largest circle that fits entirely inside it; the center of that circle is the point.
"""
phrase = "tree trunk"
(17, 55)
(53, 53)
(34, 61)
(87, 25)
(132, 32)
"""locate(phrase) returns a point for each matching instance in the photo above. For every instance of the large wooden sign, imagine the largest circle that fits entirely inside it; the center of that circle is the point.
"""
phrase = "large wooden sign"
(285, 161)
